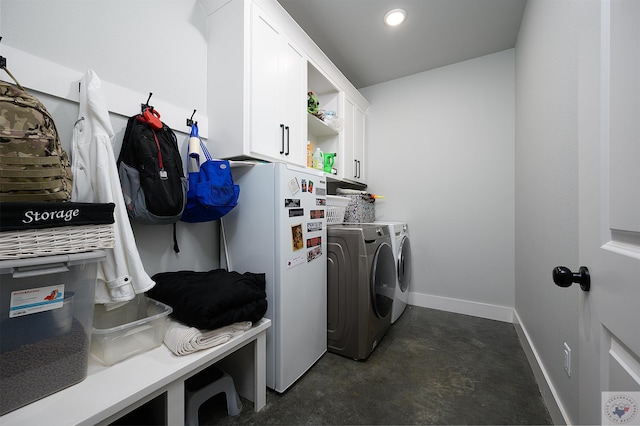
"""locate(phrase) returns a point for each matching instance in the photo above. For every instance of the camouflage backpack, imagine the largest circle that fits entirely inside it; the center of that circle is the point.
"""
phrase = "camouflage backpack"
(33, 165)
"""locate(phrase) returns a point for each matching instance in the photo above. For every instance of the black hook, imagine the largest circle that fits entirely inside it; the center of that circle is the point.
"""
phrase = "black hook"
(190, 121)
(146, 105)
(3, 60)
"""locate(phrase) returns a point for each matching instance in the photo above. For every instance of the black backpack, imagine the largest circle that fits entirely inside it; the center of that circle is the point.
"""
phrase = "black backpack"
(151, 172)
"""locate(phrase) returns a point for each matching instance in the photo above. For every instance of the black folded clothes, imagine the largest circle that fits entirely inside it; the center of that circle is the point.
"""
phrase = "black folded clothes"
(212, 299)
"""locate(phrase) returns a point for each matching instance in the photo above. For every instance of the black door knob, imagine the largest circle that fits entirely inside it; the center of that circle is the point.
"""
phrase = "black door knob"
(563, 277)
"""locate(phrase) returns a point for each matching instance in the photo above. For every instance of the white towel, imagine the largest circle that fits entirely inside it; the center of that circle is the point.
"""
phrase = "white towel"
(183, 340)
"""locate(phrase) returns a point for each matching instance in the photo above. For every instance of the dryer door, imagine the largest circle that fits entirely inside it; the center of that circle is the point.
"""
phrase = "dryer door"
(404, 264)
(383, 280)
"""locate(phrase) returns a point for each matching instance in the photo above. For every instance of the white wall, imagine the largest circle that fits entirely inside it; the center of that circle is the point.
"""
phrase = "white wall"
(440, 148)
(140, 46)
(154, 46)
(547, 187)
(136, 47)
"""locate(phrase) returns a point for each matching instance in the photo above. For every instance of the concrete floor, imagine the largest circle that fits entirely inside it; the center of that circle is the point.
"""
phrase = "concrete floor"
(432, 367)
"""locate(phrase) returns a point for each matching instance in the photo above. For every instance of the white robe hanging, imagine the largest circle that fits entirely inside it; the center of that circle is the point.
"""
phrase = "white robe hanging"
(95, 180)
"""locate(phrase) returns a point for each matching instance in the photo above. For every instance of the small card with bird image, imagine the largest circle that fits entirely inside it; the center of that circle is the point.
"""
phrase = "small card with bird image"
(33, 300)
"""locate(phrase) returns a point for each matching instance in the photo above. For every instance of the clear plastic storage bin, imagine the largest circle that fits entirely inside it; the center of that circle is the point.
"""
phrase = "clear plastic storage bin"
(133, 328)
(336, 208)
(46, 310)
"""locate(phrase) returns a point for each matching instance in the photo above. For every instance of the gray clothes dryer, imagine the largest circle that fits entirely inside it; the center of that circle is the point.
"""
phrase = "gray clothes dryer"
(361, 280)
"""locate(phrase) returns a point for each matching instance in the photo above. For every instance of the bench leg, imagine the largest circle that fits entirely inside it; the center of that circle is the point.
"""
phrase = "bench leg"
(175, 403)
(260, 371)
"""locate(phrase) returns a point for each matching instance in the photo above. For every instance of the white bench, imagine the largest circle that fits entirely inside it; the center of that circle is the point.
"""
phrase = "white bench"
(108, 393)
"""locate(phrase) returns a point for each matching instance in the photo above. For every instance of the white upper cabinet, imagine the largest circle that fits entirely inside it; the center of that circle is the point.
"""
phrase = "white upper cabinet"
(359, 138)
(256, 88)
(260, 67)
(278, 93)
(352, 141)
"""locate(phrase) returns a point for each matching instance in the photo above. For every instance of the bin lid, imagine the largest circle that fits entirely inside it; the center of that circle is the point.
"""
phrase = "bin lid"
(10, 265)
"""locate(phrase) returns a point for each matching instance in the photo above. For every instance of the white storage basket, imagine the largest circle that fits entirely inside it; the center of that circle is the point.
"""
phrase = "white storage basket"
(52, 241)
(34, 229)
(336, 208)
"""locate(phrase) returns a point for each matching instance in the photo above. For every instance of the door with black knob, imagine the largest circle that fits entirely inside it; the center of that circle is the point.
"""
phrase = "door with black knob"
(609, 212)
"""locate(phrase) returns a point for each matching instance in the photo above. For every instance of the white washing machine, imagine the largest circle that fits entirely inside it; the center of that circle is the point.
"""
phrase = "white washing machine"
(401, 246)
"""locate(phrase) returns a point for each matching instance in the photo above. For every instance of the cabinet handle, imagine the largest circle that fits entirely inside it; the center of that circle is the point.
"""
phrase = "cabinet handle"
(281, 138)
(287, 129)
(355, 168)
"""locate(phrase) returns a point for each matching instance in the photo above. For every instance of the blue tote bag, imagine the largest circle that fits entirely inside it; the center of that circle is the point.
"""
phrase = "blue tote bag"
(211, 193)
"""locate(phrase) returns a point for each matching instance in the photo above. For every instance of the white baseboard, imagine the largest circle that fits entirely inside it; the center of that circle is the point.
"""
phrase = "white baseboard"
(549, 394)
(465, 307)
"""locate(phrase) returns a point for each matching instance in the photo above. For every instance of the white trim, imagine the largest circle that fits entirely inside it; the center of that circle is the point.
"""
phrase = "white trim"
(459, 306)
(622, 248)
(63, 82)
(549, 394)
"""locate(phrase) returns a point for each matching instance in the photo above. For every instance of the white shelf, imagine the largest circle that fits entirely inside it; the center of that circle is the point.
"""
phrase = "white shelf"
(110, 392)
(318, 127)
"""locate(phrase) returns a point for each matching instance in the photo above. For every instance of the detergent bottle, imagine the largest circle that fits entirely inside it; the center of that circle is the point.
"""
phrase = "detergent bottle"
(318, 159)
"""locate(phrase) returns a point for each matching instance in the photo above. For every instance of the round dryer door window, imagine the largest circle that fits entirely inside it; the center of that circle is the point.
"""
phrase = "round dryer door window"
(383, 280)
(404, 265)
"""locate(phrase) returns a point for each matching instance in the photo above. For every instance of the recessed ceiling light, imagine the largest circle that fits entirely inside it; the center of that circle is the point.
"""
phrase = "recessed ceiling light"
(395, 17)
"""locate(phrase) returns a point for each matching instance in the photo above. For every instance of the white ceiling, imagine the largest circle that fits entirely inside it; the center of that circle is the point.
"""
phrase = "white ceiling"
(436, 33)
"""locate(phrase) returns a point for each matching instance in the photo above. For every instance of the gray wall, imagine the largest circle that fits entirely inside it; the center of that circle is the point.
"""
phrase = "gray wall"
(547, 186)
(440, 149)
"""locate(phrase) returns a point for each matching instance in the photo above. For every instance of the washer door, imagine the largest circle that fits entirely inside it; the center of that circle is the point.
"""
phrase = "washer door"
(383, 277)
(404, 264)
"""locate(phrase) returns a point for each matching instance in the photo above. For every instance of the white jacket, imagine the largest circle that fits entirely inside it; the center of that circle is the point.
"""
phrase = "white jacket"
(95, 180)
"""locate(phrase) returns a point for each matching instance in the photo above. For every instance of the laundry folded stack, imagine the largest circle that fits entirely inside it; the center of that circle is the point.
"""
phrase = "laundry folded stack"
(209, 308)
(183, 340)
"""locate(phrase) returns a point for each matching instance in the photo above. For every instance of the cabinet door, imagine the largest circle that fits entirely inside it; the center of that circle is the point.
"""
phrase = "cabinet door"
(277, 93)
(353, 142)
(293, 97)
(358, 144)
(348, 165)
(266, 136)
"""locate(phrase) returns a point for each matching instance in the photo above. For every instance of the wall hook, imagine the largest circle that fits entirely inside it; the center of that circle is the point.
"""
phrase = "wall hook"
(190, 121)
(3, 60)
(146, 105)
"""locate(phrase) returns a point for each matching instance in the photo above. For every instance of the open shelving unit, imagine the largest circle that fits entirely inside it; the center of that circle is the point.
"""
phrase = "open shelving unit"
(321, 134)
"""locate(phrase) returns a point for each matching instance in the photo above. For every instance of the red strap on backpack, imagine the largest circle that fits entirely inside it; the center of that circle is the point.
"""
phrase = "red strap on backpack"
(152, 118)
